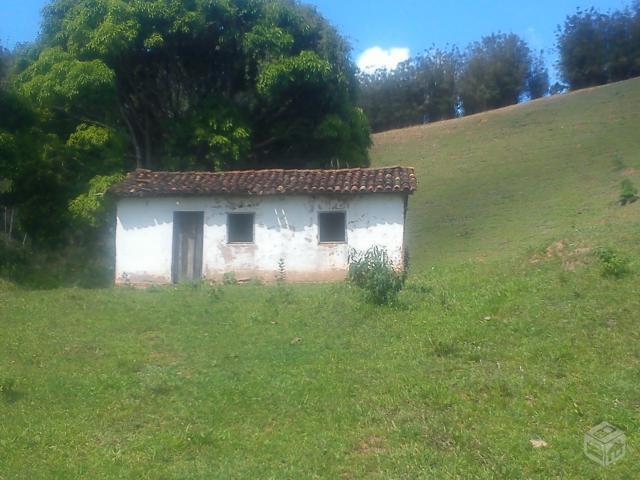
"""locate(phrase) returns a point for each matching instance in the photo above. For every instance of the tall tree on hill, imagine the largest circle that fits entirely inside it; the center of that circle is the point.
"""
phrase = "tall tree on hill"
(597, 48)
(582, 47)
(538, 78)
(495, 73)
(437, 74)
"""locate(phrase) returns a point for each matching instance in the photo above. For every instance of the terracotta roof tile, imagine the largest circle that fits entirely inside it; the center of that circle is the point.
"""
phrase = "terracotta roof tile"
(147, 183)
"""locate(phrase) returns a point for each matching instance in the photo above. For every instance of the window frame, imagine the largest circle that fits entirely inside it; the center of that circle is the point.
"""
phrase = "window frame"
(253, 228)
(332, 242)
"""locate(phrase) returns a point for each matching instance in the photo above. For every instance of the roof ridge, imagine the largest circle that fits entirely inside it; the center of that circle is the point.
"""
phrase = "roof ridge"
(263, 170)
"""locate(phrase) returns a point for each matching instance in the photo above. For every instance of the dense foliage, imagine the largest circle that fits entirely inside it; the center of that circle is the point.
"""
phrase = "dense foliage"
(111, 85)
(203, 84)
(597, 48)
(374, 272)
(614, 264)
(628, 193)
(497, 71)
(423, 88)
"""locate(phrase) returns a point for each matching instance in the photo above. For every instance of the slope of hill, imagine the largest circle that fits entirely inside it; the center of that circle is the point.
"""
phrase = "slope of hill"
(492, 365)
(503, 181)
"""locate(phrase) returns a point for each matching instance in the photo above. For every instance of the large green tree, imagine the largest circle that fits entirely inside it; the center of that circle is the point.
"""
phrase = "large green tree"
(177, 84)
(582, 48)
(496, 72)
(206, 84)
(597, 48)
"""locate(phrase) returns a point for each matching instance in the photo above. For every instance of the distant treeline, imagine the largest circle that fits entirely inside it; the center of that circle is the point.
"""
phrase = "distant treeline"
(501, 70)
(439, 84)
(597, 48)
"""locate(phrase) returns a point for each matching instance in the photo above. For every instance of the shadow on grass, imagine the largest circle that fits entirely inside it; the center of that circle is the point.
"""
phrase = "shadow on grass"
(50, 269)
(8, 391)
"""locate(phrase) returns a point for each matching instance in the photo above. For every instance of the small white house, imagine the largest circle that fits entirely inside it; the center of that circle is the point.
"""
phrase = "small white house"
(183, 226)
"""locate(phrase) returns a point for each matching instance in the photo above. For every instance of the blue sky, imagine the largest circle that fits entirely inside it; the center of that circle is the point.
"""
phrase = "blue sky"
(385, 31)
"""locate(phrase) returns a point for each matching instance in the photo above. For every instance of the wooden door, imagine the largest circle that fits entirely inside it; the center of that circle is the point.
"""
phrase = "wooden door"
(186, 265)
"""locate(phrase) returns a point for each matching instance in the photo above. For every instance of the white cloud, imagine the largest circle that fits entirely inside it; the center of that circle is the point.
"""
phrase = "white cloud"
(376, 57)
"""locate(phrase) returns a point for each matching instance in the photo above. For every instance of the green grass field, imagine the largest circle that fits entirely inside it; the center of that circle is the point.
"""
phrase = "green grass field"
(507, 332)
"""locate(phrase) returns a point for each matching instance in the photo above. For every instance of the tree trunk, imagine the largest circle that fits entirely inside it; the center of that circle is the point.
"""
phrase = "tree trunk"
(11, 222)
(134, 140)
(147, 143)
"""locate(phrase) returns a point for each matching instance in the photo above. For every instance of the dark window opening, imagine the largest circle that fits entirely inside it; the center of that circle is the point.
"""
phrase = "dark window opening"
(332, 227)
(240, 227)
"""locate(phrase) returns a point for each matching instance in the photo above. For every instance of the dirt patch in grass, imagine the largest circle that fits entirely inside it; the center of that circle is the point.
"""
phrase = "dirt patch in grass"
(440, 439)
(571, 255)
(162, 358)
(372, 445)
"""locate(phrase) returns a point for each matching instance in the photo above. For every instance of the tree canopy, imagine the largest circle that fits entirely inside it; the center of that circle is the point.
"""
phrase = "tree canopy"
(422, 88)
(496, 71)
(111, 85)
(596, 48)
(202, 84)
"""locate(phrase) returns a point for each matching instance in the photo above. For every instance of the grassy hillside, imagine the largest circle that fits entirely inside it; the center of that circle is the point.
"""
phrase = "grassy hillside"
(508, 331)
(497, 183)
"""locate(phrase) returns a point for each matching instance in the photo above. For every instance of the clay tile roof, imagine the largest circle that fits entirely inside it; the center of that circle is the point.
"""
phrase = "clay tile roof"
(147, 183)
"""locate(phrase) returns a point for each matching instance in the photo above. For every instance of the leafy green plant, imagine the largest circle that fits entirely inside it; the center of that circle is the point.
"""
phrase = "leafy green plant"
(629, 193)
(613, 263)
(91, 206)
(281, 275)
(374, 272)
(229, 278)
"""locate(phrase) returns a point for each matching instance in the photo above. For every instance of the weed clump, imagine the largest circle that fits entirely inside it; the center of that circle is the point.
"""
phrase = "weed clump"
(613, 263)
(281, 274)
(229, 278)
(629, 193)
(374, 272)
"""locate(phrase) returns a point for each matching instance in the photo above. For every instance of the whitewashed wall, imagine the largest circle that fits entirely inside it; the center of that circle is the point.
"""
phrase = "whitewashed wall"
(286, 227)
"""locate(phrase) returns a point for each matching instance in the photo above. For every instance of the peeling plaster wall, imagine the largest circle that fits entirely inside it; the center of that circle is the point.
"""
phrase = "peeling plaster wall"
(286, 227)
